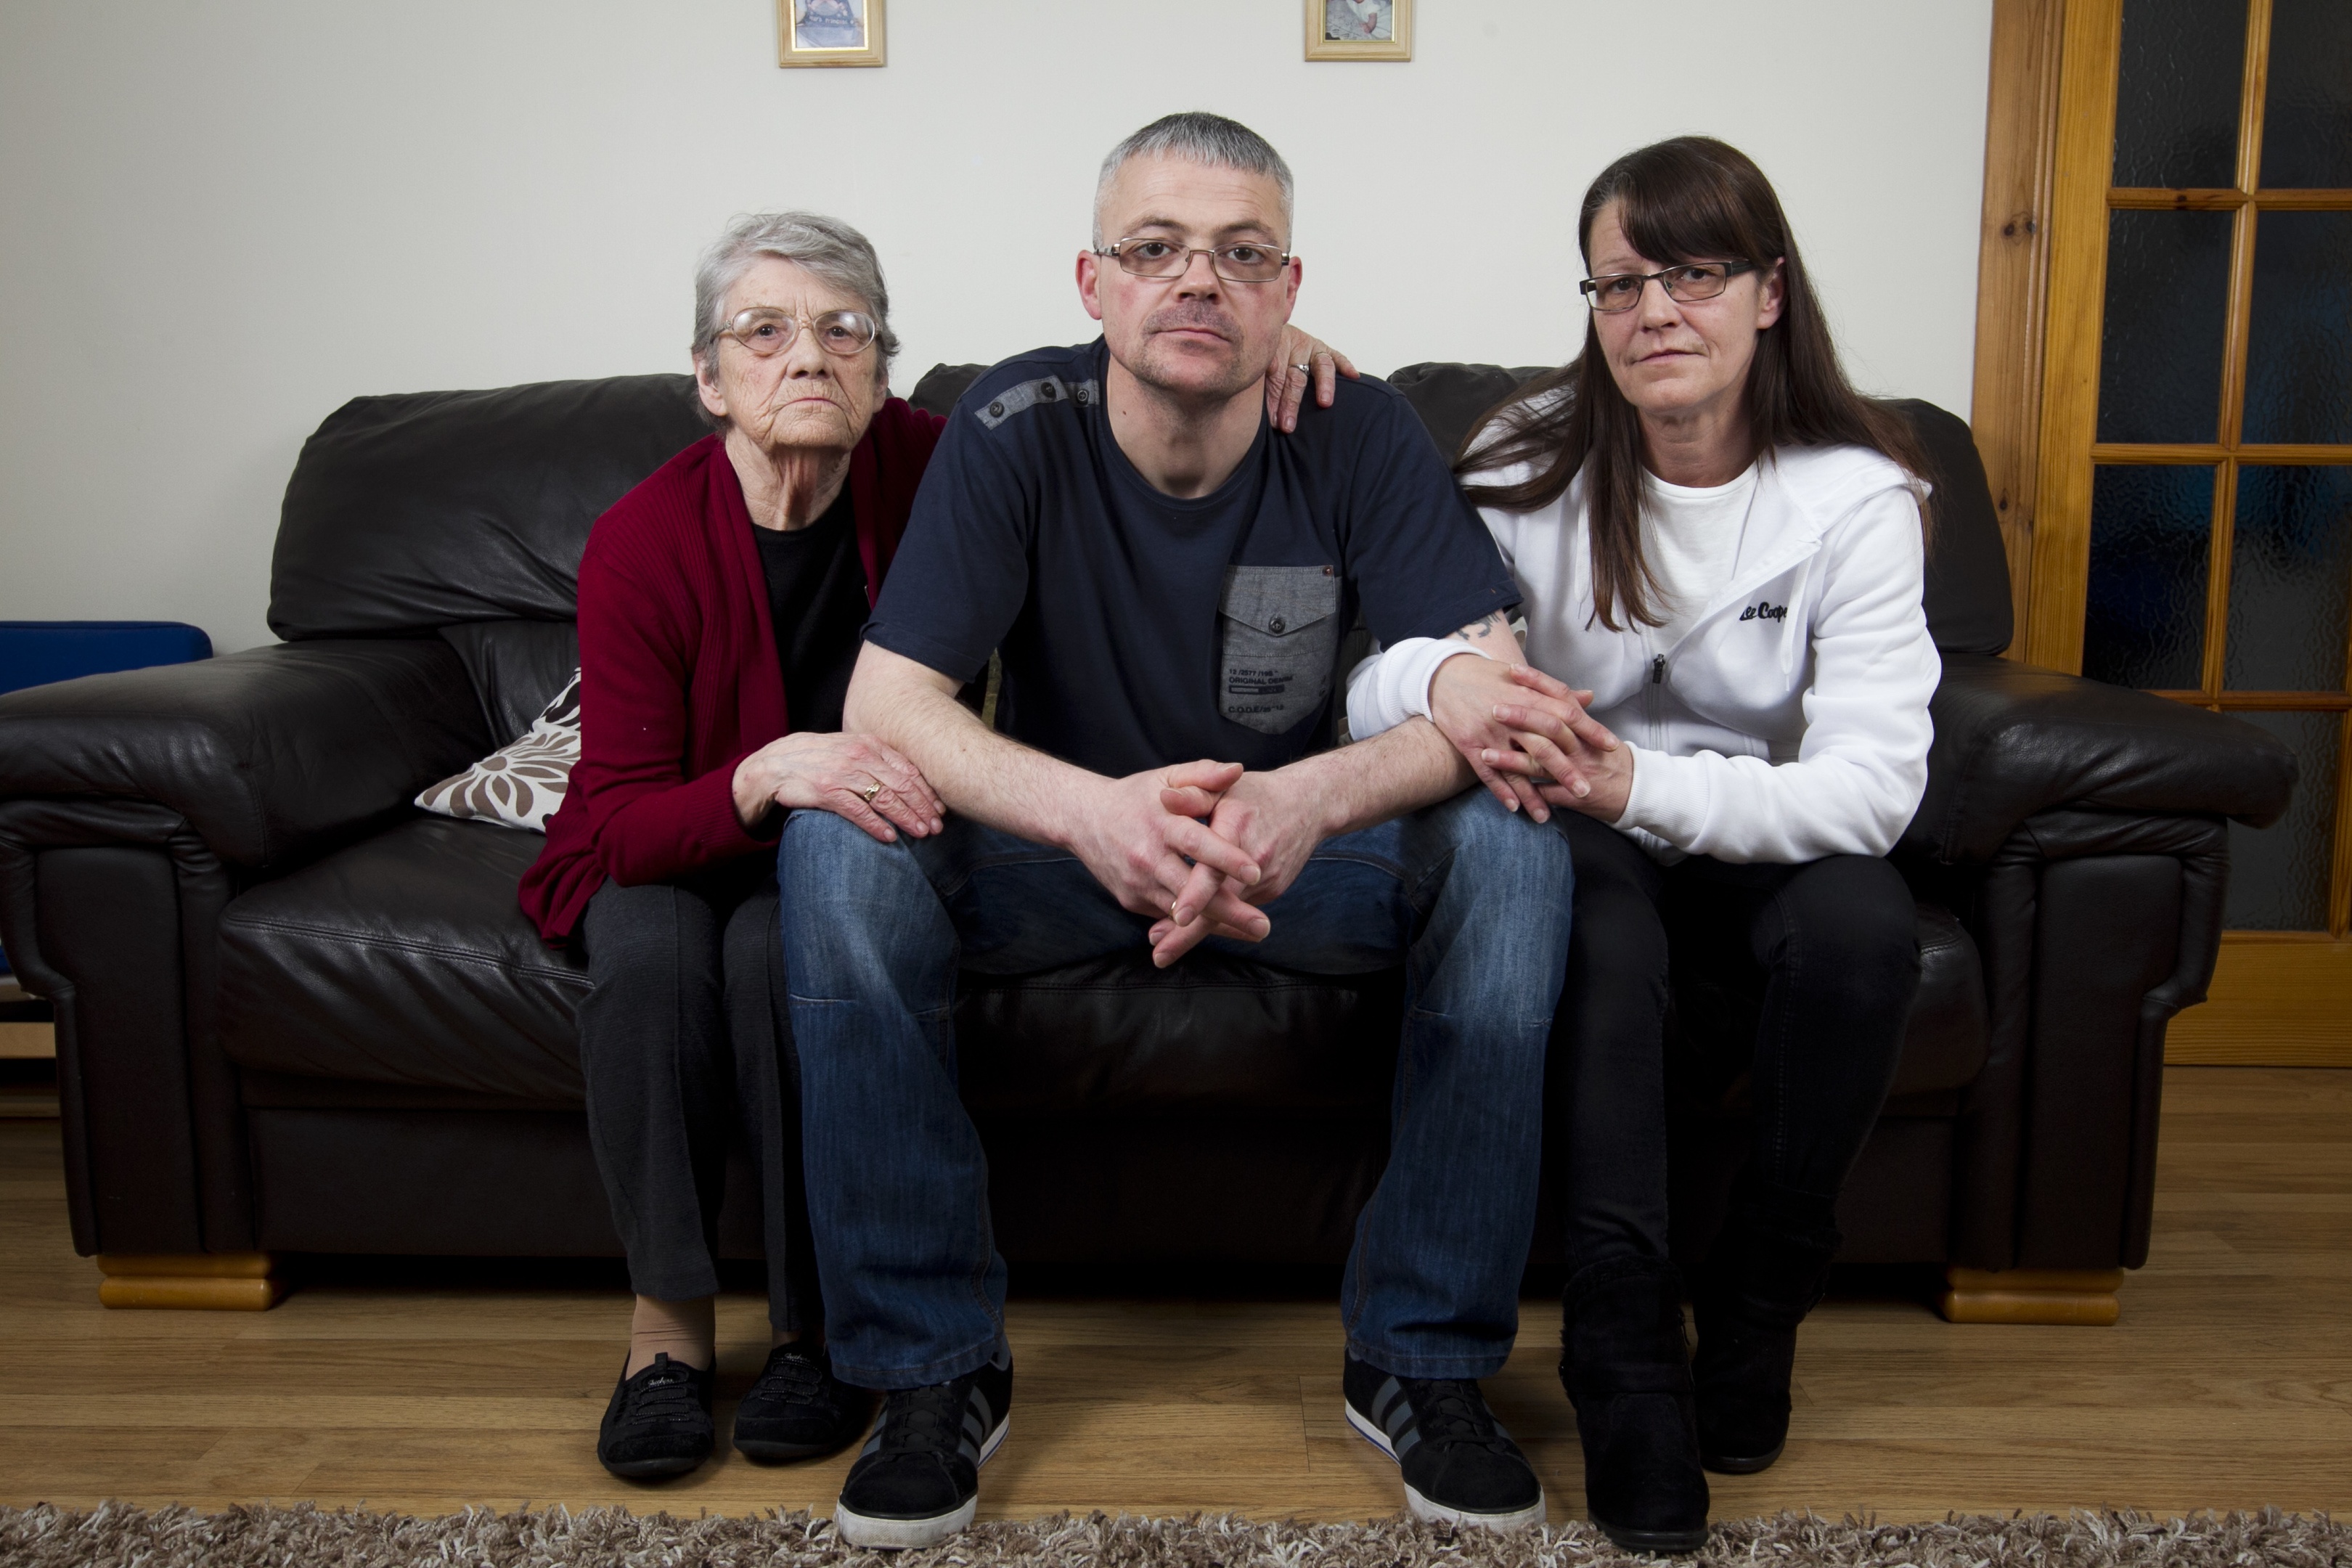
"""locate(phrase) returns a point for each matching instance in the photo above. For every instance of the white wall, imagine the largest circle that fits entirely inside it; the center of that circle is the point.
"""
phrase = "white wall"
(223, 218)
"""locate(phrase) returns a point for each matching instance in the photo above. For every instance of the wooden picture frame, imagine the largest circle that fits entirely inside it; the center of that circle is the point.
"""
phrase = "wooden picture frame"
(1359, 29)
(839, 33)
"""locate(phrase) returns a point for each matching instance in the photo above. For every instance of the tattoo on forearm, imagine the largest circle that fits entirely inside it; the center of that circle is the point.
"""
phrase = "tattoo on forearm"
(1480, 629)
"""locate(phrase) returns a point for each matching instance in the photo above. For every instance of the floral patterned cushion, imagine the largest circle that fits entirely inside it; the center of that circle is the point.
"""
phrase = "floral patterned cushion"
(521, 783)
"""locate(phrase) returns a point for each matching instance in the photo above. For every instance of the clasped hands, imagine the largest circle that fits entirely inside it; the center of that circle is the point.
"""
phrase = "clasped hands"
(1527, 736)
(1198, 847)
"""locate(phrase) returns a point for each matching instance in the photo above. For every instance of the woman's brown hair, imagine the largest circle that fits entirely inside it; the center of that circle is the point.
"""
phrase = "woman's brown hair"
(1690, 199)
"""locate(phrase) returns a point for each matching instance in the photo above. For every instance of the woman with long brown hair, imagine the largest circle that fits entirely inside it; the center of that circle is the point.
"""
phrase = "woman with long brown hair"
(1721, 543)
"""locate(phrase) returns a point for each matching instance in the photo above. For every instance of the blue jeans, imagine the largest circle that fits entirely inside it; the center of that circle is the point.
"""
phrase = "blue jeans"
(1474, 900)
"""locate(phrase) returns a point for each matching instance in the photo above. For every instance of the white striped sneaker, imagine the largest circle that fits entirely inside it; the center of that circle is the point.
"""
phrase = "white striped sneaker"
(917, 1481)
(1460, 1466)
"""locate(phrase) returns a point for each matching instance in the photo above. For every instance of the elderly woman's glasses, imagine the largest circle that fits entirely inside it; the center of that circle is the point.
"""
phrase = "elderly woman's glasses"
(765, 331)
(1244, 263)
(1690, 283)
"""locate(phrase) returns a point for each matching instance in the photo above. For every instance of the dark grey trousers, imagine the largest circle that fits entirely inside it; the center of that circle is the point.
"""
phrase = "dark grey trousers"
(686, 1043)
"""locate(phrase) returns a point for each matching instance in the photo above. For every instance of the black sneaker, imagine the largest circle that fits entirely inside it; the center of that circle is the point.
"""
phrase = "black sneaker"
(796, 1410)
(658, 1423)
(1460, 1466)
(917, 1482)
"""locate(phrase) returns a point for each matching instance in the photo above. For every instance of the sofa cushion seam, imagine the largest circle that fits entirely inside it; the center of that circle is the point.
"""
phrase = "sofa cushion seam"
(437, 950)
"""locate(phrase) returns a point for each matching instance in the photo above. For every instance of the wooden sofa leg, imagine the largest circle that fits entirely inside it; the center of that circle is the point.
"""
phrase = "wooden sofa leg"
(2081, 1297)
(203, 1281)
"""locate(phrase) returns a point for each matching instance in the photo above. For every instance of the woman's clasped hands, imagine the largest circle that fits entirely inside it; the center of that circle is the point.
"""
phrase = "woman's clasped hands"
(1529, 740)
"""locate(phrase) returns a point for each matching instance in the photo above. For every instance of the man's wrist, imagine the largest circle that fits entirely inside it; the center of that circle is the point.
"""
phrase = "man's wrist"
(1075, 809)
(1447, 650)
(1314, 781)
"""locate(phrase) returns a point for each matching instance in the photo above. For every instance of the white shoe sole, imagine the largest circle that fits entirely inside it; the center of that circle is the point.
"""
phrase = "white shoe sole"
(902, 1534)
(1438, 1513)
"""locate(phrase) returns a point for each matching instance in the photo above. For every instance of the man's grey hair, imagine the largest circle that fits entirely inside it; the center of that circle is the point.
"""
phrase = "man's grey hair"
(1198, 137)
(825, 245)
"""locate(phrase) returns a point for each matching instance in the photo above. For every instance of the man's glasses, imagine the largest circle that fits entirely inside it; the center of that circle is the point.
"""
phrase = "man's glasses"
(1243, 263)
(1690, 282)
(767, 331)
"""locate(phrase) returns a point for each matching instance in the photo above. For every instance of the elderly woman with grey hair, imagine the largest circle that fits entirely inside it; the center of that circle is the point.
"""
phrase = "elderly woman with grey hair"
(720, 607)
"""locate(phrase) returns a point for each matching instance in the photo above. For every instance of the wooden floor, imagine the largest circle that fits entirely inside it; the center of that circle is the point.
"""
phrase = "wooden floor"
(2228, 1383)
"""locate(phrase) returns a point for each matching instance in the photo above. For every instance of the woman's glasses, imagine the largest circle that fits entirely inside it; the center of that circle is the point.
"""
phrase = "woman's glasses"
(1690, 282)
(767, 331)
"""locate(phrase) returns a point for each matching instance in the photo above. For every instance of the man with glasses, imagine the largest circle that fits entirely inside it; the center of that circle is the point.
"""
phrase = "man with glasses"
(1167, 587)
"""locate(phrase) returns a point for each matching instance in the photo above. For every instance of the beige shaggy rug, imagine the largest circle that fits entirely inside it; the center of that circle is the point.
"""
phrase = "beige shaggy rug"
(48, 1537)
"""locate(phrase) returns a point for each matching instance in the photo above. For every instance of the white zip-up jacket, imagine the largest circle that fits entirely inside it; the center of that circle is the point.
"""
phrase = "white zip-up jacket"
(1791, 720)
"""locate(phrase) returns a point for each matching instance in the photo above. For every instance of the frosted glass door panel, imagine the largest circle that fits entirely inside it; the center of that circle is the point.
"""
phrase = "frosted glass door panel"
(2307, 111)
(2168, 305)
(2278, 875)
(2299, 366)
(2144, 624)
(2290, 572)
(2177, 99)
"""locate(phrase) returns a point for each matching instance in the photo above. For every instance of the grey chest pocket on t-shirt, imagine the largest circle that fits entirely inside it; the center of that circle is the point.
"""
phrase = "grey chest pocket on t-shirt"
(1280, 631)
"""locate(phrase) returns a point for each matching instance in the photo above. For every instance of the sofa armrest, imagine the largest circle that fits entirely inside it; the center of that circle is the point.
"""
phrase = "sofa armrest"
(110, 909)
(2094, 928)
(264, 752)
(2012, 739)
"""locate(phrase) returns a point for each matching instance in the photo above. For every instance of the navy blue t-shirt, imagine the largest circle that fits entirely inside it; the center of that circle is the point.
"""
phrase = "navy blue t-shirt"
(1139, 630)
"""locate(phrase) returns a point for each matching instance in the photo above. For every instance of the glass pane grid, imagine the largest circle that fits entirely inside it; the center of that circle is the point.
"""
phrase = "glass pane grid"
(2220, 576)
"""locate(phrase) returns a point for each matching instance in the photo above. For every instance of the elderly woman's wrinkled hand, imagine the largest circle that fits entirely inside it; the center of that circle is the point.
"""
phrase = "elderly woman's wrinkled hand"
(856, 776)
(1286, 383)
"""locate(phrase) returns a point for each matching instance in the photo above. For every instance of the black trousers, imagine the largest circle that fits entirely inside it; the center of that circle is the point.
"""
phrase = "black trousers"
(1826, 955)
(686, 1043)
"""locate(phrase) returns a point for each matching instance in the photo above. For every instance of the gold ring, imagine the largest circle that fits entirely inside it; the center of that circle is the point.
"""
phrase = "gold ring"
(870, 791)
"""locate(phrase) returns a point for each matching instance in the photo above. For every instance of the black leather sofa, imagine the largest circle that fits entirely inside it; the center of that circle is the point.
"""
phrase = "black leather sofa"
(297, 1016)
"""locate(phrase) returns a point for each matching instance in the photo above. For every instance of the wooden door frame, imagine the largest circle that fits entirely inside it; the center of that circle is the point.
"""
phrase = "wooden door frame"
(2013, 275)
(2278, 998)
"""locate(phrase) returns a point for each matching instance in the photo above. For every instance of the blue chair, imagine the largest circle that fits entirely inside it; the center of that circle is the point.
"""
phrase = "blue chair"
(34, 653)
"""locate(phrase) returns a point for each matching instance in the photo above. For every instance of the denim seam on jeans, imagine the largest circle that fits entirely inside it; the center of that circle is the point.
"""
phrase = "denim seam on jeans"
(940, 1369)
(1352, 1311)
(1042, 855)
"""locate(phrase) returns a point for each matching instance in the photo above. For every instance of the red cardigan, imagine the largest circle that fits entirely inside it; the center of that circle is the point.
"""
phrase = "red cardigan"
(679, 675)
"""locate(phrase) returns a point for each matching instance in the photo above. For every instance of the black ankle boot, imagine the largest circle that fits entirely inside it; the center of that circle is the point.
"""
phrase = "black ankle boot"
(1626, 1370)
(1766, 1270)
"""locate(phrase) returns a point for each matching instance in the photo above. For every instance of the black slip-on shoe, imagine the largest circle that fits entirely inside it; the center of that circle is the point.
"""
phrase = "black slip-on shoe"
(658, 1424)
(1460, 1466)
(917, 1482)
(796, 1409)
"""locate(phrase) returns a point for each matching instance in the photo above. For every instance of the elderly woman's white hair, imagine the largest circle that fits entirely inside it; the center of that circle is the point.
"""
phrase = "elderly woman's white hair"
(825, 245)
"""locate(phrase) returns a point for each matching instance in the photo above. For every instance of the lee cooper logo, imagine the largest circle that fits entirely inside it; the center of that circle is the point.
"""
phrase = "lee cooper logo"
(1765, 612)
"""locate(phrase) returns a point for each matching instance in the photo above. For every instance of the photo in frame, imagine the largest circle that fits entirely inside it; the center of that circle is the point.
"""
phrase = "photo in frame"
(1359, 29)
(829, 32)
